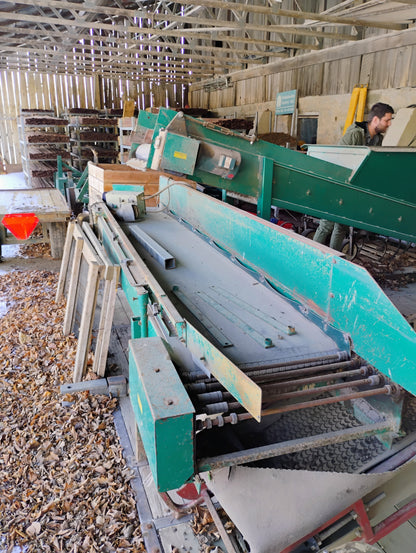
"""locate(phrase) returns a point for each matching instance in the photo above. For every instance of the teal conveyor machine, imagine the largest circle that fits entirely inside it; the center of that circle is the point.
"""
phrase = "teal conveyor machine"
(236, 322)
(378, 195)
(258, 358)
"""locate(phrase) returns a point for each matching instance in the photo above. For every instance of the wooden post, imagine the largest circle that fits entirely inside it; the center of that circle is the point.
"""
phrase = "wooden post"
(87, 318)
(73, 286)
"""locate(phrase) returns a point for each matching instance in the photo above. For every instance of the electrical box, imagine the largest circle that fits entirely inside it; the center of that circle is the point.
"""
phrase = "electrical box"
(179, 153)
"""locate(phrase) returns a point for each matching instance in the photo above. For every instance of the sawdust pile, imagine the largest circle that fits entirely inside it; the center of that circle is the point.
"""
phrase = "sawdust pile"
(280, 138)
(63, 480)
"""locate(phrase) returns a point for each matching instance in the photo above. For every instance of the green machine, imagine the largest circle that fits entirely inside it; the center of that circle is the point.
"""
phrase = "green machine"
(71, 182)
(376, 195)
(254, 353)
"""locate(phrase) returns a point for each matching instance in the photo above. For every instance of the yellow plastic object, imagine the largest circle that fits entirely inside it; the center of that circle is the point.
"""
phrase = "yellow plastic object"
(361, 103)
(128, 108)
(353, 106)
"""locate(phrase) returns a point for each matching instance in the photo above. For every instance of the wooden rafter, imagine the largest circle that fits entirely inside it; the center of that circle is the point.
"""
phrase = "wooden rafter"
(202, 36)
(220, 4)
(182, 19)
(115, 54)
(120, 43)
(49, 55)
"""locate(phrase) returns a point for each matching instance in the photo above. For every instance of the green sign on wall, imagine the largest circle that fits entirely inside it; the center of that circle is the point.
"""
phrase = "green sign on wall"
(286, 102)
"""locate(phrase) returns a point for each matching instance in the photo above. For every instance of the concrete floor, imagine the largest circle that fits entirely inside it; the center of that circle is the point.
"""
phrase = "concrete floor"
(15, 181)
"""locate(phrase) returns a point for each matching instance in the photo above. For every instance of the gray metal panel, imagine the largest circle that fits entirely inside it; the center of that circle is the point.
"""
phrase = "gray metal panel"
(346, 156)
(274, 508)
(202, 270)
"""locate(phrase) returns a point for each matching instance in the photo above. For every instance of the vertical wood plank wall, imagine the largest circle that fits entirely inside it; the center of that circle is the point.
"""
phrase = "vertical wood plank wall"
(25, 90)
(389, 69)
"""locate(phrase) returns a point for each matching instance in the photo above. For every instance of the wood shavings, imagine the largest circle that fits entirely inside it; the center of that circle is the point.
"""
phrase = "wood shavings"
(64, 484)
(391, 266)
(35, 250)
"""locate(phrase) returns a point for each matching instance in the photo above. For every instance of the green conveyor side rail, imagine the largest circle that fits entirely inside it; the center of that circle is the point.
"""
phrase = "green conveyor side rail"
(341, 293)
(379, 196)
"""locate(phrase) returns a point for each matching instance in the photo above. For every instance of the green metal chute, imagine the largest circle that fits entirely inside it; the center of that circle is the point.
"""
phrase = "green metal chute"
(341, 293)
(377, 195)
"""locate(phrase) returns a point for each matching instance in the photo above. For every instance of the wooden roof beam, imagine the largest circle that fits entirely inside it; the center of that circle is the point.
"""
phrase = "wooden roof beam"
(129, 52)
(173, 45)
(123, 67)
(79, 57)
(13, 65)
(216, 24)
(220, 4)
(296, 14)
(120, 68)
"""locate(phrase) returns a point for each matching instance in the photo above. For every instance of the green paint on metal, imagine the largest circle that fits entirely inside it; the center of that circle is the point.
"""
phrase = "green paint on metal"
(147, 119)
(68, 177)
(121, 252)
(264, 204)
(180, 153)
(163, 411)
(135, 329)
(237, 383)
(368, 410)
(82, 186)
(371, 197)
(339, 292)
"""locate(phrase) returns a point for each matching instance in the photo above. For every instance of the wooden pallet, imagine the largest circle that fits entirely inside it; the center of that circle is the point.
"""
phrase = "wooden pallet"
(85, 272)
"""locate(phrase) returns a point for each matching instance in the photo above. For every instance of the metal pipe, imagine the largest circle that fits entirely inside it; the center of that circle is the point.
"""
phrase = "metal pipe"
(264, 369)
(313, 379)
(210, 397)
(341, 356)
(232, 418)
(181, 510)
(227, 406)
(272, 372)
(321, 389)
(216, 396)
(385, 390)
(291, 446)
(210, 401)
(196, 380)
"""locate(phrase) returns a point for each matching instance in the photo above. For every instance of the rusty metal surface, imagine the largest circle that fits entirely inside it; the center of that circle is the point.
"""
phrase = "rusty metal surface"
(292, 446)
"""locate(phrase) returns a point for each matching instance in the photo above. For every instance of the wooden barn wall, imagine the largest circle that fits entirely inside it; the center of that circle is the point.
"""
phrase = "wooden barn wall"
(25, 90)
(387, 69)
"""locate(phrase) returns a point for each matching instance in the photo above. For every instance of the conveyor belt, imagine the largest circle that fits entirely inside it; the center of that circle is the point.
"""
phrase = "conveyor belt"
(250, 323)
